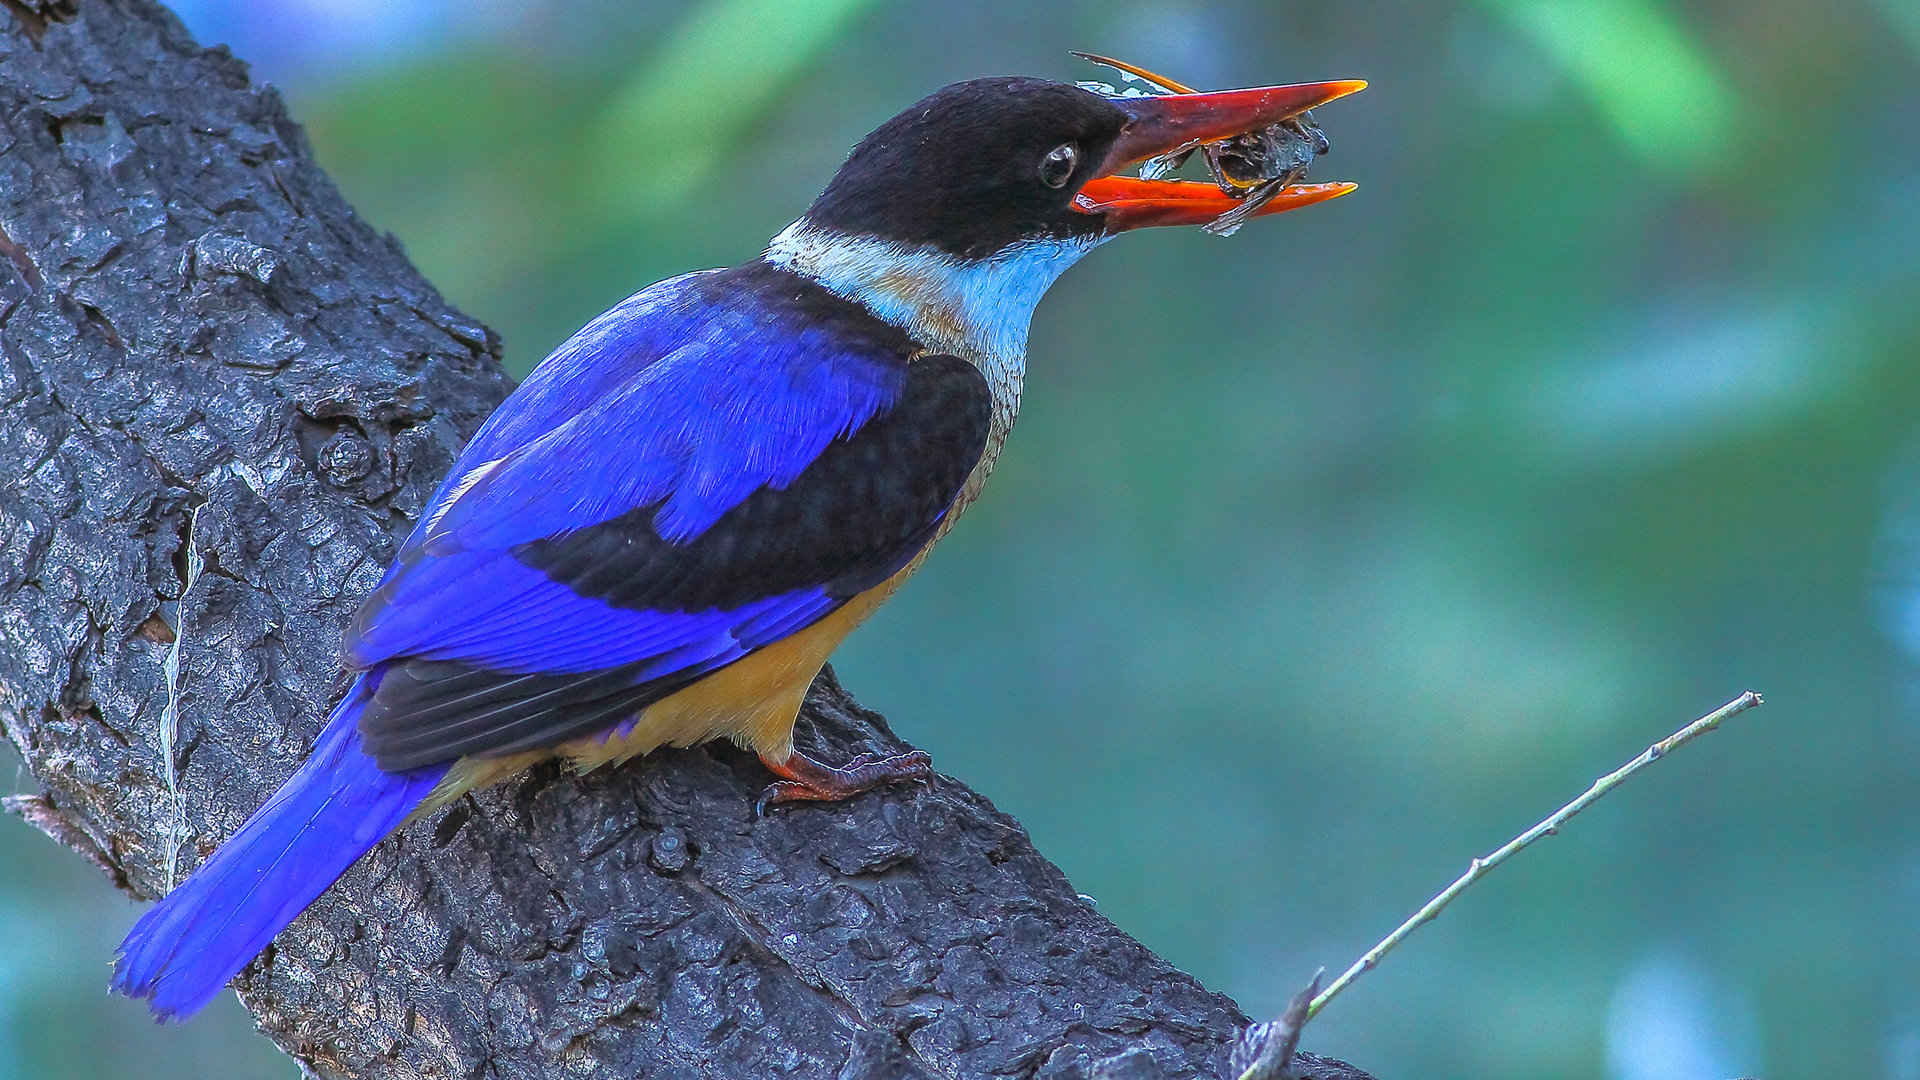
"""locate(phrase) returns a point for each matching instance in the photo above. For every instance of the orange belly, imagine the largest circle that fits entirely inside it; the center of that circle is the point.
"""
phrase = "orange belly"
(752, 701)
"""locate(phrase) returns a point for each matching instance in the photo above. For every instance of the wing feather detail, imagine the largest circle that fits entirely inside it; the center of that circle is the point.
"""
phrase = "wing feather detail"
(499, 635)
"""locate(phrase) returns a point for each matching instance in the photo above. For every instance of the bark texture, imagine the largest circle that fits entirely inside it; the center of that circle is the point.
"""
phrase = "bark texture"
(191, 317)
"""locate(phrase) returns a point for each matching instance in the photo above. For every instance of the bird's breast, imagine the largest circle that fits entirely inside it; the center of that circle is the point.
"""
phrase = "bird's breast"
(1005, 384)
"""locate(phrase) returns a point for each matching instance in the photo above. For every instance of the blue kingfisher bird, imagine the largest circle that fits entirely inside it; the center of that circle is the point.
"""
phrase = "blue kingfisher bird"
(662, 534)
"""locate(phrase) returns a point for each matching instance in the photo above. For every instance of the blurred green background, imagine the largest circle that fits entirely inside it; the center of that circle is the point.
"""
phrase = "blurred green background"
(1325, 557)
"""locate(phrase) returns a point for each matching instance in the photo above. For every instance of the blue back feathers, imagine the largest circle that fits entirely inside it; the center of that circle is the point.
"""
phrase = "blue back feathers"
(697, 430)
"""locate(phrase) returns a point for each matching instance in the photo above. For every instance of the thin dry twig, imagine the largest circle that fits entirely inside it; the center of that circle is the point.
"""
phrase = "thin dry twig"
(1547, 827)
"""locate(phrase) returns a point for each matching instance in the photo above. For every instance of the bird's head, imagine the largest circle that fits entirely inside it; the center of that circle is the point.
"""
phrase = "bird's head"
(985, 166)
(955, 216)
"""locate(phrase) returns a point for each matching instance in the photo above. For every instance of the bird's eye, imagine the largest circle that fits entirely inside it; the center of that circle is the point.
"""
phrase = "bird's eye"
(1057, 167)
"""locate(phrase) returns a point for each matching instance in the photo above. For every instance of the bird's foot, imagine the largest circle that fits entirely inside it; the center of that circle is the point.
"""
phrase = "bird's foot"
(803, 779)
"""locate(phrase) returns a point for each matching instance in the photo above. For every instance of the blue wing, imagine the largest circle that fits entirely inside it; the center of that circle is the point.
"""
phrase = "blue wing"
(710, 467)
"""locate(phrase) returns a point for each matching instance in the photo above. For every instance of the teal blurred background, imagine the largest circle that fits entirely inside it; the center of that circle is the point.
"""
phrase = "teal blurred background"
(1325, 557)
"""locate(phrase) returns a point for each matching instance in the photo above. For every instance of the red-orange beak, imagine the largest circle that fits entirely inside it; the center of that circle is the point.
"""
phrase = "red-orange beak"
(1165, 124)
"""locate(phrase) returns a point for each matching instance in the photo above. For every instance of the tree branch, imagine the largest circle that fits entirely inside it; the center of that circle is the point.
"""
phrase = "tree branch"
(191, 320)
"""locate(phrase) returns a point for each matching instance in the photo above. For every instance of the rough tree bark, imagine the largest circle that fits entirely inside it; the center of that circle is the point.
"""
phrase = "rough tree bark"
(190, 316)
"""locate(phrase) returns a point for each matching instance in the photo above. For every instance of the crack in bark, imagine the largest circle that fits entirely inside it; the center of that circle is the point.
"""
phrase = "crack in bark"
(16, 254)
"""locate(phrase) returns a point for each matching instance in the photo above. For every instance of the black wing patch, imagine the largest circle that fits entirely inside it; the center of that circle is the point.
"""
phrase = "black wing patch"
(847, 523)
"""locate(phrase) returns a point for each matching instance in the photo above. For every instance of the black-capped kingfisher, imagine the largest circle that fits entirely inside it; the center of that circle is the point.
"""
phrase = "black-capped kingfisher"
(661, 535)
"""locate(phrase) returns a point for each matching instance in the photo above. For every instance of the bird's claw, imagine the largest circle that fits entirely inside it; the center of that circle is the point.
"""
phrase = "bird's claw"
(803, 779)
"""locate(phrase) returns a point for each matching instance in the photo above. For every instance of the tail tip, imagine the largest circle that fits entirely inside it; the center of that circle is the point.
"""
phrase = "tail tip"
(133, 980)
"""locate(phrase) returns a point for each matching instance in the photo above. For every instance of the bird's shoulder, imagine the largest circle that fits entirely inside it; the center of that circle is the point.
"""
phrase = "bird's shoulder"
(709, 324)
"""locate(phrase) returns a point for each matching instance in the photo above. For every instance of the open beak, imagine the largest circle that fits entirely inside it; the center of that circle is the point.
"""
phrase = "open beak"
(1164, 124)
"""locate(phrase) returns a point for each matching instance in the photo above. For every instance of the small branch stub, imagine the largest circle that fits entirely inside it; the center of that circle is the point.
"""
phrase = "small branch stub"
(1267, 1049)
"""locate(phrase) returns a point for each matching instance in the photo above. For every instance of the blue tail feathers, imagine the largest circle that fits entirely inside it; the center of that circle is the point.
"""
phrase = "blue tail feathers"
(331, 812)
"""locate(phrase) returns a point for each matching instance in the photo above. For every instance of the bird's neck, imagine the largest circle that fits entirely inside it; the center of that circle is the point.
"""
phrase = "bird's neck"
(976, 309)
